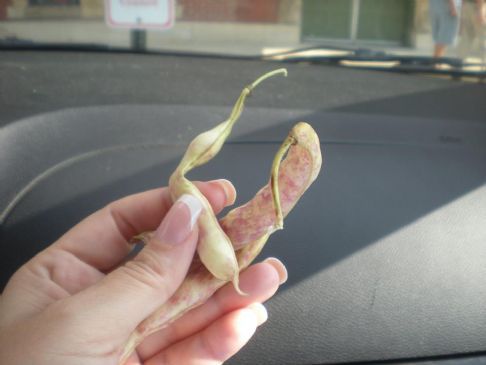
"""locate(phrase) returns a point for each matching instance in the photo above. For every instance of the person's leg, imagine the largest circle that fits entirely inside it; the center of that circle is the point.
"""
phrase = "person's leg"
(447, 29)
(439, 50)
(434, 13)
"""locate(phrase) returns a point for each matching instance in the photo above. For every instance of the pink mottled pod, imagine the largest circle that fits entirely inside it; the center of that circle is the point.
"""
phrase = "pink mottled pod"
(230, 245)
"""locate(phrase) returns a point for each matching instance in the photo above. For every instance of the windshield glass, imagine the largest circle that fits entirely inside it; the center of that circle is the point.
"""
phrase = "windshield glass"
(440, 28)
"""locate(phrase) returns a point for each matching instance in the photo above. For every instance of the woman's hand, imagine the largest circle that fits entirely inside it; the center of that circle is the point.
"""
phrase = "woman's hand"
(77, 301)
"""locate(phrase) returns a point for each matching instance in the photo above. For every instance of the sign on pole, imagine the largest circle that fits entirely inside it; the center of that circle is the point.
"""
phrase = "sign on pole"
(140, 14)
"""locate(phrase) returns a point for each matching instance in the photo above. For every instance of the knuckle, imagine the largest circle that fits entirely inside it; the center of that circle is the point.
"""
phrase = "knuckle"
(147, 269)
(210, 349)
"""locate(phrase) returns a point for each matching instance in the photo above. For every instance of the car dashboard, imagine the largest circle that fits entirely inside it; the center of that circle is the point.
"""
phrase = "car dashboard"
(386, 252)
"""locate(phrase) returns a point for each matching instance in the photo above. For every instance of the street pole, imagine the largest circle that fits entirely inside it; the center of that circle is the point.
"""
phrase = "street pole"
(138, 39)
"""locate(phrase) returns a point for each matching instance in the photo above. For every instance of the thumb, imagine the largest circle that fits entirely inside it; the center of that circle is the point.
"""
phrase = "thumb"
(133, 291)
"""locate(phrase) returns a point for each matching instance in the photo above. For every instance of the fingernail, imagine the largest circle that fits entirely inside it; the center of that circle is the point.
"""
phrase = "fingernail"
(179, 222)
(229, 190)
(260, 312)
(279, 267)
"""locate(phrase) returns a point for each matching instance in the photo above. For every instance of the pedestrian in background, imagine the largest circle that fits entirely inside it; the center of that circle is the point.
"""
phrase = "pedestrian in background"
(444, 17)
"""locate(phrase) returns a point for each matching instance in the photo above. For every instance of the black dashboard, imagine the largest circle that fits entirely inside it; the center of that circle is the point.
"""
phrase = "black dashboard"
(386, 252)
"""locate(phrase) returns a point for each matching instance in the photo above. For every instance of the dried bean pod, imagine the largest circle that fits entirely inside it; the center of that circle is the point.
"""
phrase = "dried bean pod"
(248, 227)
(214, 247)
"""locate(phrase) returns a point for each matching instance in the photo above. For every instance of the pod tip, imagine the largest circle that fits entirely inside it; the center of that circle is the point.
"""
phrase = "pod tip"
(236, 285)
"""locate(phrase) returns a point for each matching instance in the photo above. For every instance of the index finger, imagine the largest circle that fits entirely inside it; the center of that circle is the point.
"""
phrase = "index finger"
(102, 239)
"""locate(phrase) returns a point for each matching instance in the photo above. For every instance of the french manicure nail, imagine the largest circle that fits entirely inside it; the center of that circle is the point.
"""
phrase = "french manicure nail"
(179, 222)
(229, 190)
(194, 205)
(279, 267)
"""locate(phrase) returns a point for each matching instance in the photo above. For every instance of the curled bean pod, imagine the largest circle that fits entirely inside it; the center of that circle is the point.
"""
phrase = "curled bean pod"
(246, 228)
(214, 247)
(298, 170)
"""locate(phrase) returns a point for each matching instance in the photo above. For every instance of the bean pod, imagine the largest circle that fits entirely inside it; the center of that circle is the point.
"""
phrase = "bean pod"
(230, 245)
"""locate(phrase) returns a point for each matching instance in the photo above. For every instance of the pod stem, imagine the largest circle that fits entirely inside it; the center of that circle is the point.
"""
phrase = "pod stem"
(289, 141)
(255, 83)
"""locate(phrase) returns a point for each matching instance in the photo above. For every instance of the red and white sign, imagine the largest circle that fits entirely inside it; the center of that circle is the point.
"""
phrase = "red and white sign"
(140, 14)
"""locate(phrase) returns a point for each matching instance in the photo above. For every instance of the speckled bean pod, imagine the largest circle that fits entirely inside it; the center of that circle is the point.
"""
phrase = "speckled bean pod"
(230, 245)
(247, 226)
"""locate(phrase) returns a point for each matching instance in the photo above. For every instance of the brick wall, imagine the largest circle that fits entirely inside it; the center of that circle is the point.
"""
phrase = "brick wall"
(248, 11)
(259, 11)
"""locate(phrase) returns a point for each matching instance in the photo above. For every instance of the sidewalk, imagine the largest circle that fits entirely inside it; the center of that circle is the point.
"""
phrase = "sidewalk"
(210, 37)
(234, 38)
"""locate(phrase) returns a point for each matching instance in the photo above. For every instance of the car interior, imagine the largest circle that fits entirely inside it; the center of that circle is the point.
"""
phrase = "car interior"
(386, 252)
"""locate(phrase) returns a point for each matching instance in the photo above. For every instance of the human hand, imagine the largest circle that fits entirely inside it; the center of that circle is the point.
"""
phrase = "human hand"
(74, 303)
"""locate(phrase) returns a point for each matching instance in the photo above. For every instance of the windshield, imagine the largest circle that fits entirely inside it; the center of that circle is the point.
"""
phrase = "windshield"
(435, 28)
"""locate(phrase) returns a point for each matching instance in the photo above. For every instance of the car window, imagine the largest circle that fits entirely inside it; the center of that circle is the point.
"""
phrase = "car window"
(417, 28)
